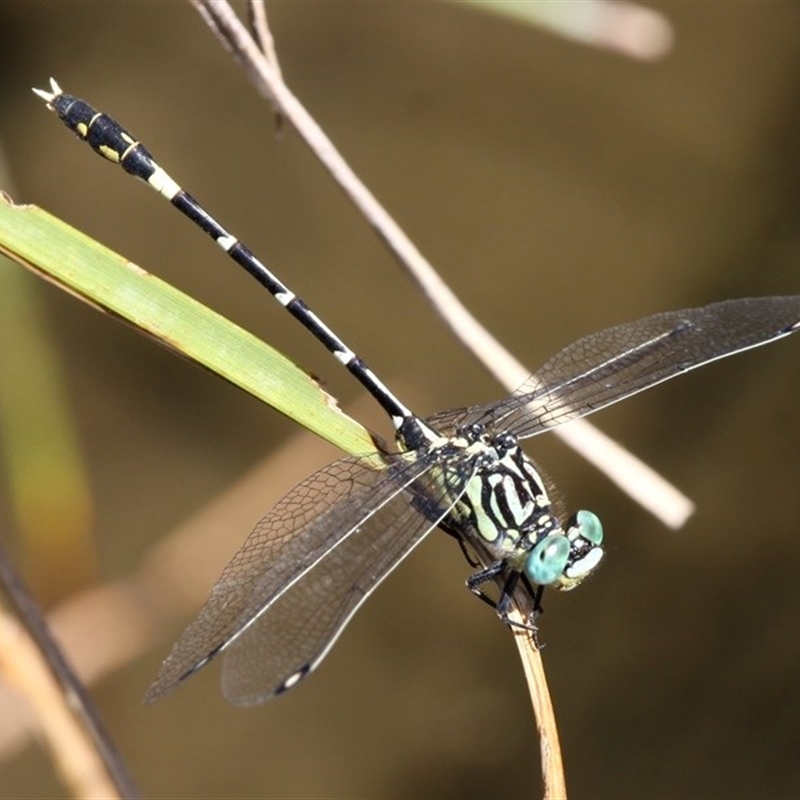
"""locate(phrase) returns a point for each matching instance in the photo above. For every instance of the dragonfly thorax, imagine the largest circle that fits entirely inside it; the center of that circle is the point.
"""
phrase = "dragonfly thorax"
(505, 509)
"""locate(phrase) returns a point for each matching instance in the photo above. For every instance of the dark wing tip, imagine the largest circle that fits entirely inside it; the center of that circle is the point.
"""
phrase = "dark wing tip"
(166, 681)
(293, 679)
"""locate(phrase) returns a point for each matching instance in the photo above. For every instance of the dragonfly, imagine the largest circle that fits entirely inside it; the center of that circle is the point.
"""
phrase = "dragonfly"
(314, 559)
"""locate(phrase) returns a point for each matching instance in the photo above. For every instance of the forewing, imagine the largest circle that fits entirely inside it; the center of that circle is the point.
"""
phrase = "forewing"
(608, 366)
(292, 636)
(299, 531)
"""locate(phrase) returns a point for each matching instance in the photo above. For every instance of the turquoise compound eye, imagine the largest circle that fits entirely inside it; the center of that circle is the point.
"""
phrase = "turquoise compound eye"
(548, 559)
(589, 527)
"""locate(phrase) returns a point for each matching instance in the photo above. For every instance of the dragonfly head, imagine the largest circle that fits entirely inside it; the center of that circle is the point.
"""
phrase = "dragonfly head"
(563, 559)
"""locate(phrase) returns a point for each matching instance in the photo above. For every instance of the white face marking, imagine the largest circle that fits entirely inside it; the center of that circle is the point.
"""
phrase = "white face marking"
(574, 533)
(226, 242)
(163, 184)
(585, 565)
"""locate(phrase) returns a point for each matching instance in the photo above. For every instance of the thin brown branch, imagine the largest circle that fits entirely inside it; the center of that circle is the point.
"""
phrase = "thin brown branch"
(555, 787)
(72, 750)
(83, 749)
(262, 34)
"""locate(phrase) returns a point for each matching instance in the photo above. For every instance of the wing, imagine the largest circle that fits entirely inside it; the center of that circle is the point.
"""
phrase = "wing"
(300, 532)
(292, 636)
(615, 363)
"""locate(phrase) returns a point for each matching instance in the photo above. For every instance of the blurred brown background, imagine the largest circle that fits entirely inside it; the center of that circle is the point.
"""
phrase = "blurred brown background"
(559, 189)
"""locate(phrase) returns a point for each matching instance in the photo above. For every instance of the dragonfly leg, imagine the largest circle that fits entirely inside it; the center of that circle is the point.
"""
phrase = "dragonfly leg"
(506, 600)
(475, 580)
(503, 604)
(470, 557)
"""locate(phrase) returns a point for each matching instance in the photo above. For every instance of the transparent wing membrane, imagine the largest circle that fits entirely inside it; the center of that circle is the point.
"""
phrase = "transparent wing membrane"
(292, 636)
(300, 557)
(610, 365)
